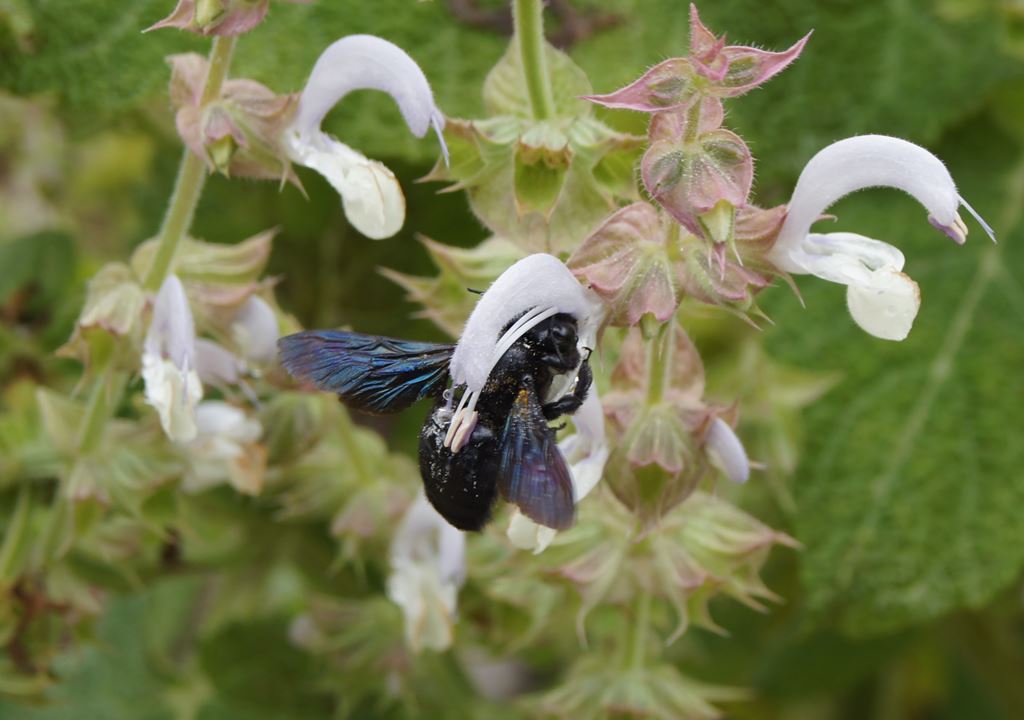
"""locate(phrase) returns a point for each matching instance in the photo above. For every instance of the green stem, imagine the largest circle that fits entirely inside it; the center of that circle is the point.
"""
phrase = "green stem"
(529, 38)
(191, 176)
(692, 122)
(96, 412)
(641, 622)
(659, 355)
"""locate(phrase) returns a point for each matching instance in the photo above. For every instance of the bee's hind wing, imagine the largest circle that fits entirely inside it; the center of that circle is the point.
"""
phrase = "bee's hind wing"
(368, 372)
(533, 473)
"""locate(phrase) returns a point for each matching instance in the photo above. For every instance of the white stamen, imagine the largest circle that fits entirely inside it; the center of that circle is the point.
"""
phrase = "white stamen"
(981, 221)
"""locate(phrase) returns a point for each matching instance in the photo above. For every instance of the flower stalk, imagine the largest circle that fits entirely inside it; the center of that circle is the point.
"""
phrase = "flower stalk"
(659, 357)
(191, 176)
(529, 34)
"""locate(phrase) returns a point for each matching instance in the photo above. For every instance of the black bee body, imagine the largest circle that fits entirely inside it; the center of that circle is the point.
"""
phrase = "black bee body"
(511, 449)
(464, 485)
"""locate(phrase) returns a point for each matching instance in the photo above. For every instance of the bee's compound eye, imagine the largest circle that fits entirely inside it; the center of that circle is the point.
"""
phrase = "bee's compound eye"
(563, 330)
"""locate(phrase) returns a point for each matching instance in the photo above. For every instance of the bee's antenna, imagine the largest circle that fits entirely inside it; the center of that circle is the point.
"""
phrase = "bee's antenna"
(475, 291)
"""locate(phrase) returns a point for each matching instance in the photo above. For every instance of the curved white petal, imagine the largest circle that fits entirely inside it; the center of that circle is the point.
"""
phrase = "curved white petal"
(370, 193)
(428, 566)
(359, 62)
(535, 288)
(256, 331)
(727, 451)
(861, 162)
(174, 393)
(526, 534)
(885, 307)
(882, 300)
(222, 449)
(216, 364)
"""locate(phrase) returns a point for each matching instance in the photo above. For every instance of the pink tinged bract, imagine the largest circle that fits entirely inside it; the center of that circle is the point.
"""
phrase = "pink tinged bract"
(235, 18)
(689, 178)
(666, 86)
(711, 70)
(626, 262)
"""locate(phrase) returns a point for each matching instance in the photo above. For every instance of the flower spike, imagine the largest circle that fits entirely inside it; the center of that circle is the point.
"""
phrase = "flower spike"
(370, 193)
(881, 299)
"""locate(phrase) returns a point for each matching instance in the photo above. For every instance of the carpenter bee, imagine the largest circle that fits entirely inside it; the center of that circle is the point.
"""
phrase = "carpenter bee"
(498, 443)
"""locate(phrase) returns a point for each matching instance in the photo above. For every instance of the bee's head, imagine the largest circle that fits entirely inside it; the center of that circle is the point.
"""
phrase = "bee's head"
(556, 340)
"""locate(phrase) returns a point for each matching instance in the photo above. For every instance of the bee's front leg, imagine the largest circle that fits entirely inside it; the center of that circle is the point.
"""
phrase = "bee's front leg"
(570, 403)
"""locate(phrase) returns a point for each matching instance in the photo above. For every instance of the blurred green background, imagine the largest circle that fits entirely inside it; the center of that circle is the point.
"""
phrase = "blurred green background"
(906, 600)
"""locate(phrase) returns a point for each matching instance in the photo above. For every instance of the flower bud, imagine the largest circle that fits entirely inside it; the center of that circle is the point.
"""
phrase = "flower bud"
(215, 17)
(113, 306)
(239, 133)
(633, 263)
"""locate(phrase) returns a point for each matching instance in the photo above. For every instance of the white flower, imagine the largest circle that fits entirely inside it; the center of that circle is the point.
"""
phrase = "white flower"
(533, 289)
(586, 450)
(371, 195)
(726, 451)
(881, 299)
(225, 448)
(428, 566)
(217, 365)
(255, 330)
(169, 362)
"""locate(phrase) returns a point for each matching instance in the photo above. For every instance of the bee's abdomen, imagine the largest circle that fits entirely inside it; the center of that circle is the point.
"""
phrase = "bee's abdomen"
(462, 487)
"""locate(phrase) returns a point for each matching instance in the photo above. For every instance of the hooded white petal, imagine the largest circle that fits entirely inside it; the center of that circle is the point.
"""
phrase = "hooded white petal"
(727, 451)
(586, 451)
(371, 195)
(359, 62)
(169, 362)
(256, 331)
(172, 332)
(882, 300)
(428, 566)
(540, 283)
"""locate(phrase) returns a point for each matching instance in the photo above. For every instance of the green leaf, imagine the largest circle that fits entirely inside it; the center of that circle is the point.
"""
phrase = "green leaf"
(110, 680)
(257, 673)
(44, 260)
(505, 87)
(910, 488)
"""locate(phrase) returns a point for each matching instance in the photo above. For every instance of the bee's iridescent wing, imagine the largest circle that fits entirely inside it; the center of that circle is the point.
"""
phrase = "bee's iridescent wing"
(533, 473)
(368, 372)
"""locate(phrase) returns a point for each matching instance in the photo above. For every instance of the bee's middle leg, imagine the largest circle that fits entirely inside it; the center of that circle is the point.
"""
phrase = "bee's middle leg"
(570, 403)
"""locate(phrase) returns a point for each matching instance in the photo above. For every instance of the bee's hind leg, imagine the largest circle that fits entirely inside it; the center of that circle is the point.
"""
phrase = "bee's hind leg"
(570, 403)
